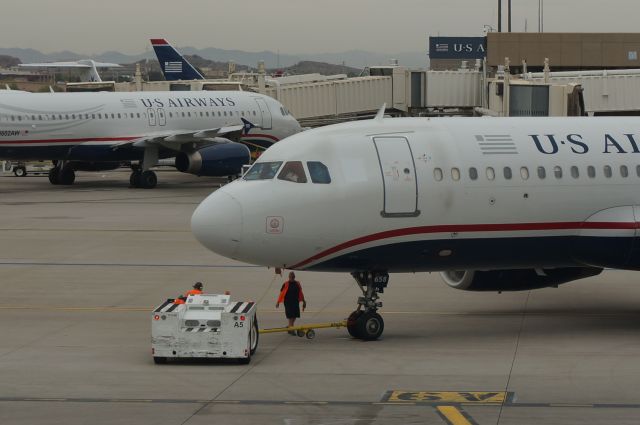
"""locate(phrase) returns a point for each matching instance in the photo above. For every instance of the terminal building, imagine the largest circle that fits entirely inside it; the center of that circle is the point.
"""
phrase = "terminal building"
(502, 74)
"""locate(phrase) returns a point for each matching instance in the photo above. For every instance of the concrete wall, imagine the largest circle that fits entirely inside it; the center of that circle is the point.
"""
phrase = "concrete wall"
(565, 50)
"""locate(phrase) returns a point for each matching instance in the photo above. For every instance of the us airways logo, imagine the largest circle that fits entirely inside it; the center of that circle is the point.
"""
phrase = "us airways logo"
(173, 67)
(188, 102)
(550, 144)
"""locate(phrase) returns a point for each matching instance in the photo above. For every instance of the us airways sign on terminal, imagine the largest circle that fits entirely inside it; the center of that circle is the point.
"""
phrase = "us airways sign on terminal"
(550, 144)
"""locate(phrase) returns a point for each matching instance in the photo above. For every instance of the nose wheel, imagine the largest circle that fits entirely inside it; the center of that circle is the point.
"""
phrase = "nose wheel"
(365, 323)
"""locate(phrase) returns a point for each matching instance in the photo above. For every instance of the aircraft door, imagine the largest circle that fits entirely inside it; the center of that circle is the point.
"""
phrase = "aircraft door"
(399, 177)
(265, 112)
(151, 115)
(162, 118)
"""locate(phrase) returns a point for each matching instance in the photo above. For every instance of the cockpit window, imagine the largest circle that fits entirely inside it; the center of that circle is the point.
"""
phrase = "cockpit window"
(263, 171)
(319, 172)
(293, 172)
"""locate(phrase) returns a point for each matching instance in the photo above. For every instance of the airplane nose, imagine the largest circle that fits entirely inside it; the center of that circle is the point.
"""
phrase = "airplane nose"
(217, 223)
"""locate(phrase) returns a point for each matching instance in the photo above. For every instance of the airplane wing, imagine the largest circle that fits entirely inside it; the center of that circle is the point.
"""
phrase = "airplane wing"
(78, 64)
(175, 139)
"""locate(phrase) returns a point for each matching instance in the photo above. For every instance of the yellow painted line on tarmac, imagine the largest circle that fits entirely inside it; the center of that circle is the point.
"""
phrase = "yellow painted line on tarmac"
(446, 397)
(45, 399)
(453, 416)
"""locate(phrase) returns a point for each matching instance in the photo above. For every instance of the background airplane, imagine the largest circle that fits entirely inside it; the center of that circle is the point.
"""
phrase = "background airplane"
(174, 66)
(495, 204)
(88, 69)
(98, 131)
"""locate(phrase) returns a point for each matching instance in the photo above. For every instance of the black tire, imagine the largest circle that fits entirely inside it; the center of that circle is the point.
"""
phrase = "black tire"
(148, 179)
(54, 175)
(160, 360)
(352, 323)
(134, 179)
(256, 329)
(20, 171)
(370, 326)
(67, 176)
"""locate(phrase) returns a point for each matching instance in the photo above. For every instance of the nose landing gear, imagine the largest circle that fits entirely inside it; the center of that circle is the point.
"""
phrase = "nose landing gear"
(365, 322)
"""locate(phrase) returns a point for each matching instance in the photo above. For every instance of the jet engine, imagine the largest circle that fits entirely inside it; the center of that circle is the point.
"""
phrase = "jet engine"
(218, 160)
(515, 280)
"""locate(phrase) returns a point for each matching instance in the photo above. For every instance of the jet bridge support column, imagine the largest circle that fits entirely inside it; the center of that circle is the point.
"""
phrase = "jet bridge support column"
(365, 322)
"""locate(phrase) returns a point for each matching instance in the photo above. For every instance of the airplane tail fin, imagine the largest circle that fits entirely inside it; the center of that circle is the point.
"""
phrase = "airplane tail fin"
(174, 65)
(247, 126)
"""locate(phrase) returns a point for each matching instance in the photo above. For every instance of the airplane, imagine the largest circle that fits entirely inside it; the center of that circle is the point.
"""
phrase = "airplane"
(99, 131)
(494, 204)
(88, 68)
(174, 66)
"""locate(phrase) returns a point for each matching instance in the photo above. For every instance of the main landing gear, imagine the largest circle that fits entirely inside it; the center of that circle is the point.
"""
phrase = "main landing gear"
(143, 177)
(365, 322)
(62, 173)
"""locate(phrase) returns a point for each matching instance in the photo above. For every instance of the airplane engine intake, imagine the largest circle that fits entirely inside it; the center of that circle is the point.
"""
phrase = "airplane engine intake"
(515, 280)
(215, 161)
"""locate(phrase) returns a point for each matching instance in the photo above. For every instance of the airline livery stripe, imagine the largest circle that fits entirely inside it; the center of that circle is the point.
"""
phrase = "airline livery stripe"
(90, 139)
(462, 228)
(266, 136)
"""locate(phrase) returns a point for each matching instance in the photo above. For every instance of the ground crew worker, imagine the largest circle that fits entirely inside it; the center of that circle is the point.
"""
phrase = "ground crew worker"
(197, 290)
(291, 294)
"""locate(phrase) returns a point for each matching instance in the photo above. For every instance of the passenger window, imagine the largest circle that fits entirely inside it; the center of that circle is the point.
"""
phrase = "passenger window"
(542, 173)
(607, 171)
(319, 172)
(473, 173)
(507, 173)
(263, 171)
(591, 171)
(437, 174)
(293, 172)
(557, 171)
(524, 173)
(575, 173)
(491, 174)
(638, 170)
(455, 174)
(624, 171)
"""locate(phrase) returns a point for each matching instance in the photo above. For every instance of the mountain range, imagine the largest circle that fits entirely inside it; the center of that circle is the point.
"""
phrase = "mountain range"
(351, 58)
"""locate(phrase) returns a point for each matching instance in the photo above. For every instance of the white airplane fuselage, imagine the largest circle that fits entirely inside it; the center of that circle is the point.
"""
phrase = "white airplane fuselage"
(98, 126)
(419, 194)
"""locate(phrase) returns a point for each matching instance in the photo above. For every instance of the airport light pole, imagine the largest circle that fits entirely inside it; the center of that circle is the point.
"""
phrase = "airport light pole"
(499, 15)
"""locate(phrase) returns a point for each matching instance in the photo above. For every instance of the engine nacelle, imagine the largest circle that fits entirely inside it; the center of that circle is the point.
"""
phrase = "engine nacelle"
(515, 280)
(220, 160)
(94, 166)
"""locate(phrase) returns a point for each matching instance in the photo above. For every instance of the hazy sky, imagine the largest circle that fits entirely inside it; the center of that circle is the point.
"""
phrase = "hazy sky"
(292, 26)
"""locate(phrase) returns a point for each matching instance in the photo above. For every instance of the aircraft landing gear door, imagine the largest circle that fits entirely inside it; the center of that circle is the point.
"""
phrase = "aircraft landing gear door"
(398, 176)
(265, 112)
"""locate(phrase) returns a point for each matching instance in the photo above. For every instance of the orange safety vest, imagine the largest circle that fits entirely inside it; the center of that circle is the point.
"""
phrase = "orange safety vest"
(286, 288)
(186, 294)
